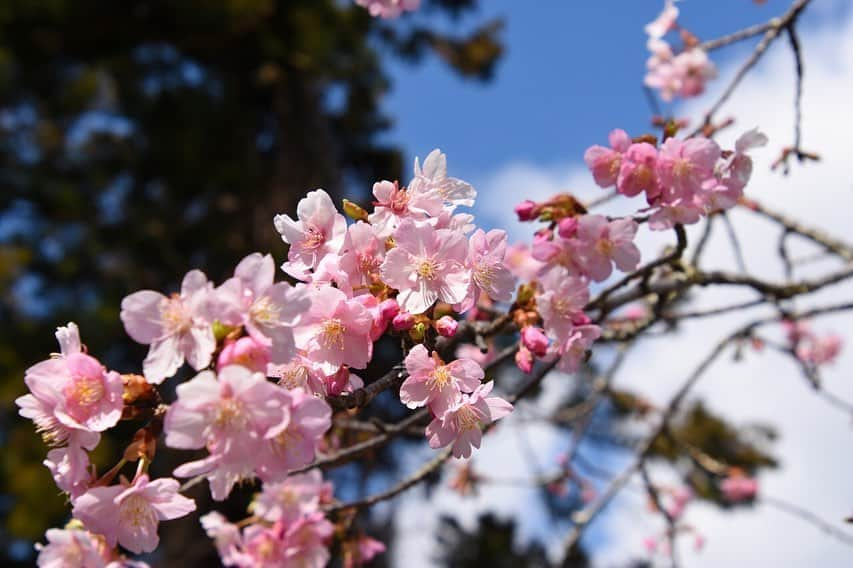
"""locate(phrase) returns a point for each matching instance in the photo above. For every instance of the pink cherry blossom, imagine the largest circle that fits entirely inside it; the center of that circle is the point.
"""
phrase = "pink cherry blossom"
(70, 467)
(129, 514)
(638, 171)
(436, 384)
(489, 274)
(555, 250)
(72, 398)
(524, 360)
(426, 265)
(177, 328)
(820, 350)
(572, 351)
(299, 372)
(737, 169)
(245, 351)
(680, 211)
(737, 488)
(267, 310)
(288, 500)
(526, 210)
(319, 230)
(403, 321)
(664, 22)
(684, 165)
(294, 442)
(231, 415)
(394, 204)
(561, 301)
(388, 8)
(301, 543)
(521, 263)
(446, 326)
(362, 255)
(432, 180)
(604, 163)
(367, 549)
(604, 242)
(534, 339)
(72, 548)
(462, 423)
(684, 74)
(335, 331)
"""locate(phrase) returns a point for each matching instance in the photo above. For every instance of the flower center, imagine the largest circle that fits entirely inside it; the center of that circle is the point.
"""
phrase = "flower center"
(441, 377)
(230, 414)
(427, 268)
(399, 203)
(485, 275)
(466, 419)
(314, 237)
(682, 169)
(332, 334)
(174, 315)
(605, 247)
(368, 263)
(293, 376)
(136, 512)
(265, 311)
(85, 391)
(644, 175)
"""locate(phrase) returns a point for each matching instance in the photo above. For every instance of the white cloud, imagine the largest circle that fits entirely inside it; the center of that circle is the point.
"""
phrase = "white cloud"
(814, 438)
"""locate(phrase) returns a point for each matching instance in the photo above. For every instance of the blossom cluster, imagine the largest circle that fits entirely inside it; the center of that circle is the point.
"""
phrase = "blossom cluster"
(672, 73)
(388, 8)
(287, 527)
(682, 179)
(809, 347)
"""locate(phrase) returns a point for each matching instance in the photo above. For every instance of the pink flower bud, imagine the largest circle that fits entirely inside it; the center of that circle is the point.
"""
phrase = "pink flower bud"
(446, 326)
(526, 210)
(581, 319)
(524, 360)
(568, 227)
(535, 340)
(389, 309)
(337, 383)
(403, 321)
(246, 352)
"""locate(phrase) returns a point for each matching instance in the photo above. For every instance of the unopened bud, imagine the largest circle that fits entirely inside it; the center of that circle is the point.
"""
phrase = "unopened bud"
(446, 326)
(354, 211)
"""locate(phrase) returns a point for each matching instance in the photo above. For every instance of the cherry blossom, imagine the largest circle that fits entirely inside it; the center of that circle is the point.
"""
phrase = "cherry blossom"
(319, 230)
(72, 548)
(231, 415)
(293, 443)
(335, 331)
(462, 423)
(561, 302)
(267, 310)
(388, 8)
(177, 328)
(738, 488)
(292, 498)
(432, 180)
(605, 242)
(489, 275)
(426, 265)
(128, 514)
(436, 384)
(605, 163)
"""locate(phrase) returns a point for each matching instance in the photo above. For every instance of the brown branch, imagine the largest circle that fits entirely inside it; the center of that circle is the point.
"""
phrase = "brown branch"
(772, 32)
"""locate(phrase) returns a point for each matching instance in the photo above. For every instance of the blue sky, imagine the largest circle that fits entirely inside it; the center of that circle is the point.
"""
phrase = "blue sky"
(572, 71)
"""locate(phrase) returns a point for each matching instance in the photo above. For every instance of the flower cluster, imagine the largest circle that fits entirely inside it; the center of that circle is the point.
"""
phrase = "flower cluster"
(287, 527)
(456, 398)
(674, 74)
(809, 347)
(388, 8)
(683, 179)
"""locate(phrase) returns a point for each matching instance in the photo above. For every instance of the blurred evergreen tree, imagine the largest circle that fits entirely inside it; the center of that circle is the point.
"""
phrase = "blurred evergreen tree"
(142, 138)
